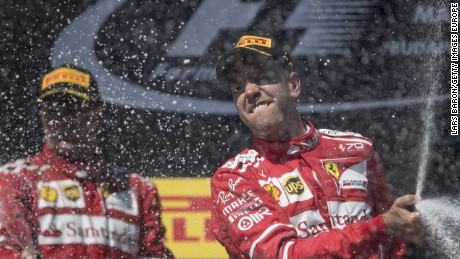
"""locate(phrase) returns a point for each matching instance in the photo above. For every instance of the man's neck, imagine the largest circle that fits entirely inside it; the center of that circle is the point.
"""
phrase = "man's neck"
(285, 132)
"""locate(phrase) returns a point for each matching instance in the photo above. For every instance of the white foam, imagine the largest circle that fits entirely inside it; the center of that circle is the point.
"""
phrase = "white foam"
(442, 218)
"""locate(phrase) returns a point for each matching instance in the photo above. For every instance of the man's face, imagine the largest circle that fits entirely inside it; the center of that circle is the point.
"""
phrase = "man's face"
(264, 99)
(70, 126)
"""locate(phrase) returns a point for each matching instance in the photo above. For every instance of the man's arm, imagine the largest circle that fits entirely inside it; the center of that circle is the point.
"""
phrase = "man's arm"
(16, 233)
(152, 229)
(251, 224)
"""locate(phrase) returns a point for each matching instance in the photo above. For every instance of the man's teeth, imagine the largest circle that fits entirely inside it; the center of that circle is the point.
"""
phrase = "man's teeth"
(260, 107)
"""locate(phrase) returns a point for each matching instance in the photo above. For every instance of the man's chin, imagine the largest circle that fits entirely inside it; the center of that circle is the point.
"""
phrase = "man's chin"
(266, 131)
(71, 150)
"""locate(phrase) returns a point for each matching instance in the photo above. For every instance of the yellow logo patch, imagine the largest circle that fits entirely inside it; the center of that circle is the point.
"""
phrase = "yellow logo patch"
(66, 75)
(71, 192)
(249, 40)
(105, 190)
(49, 194)
(273, 191)
(293, 185)
(331, 167)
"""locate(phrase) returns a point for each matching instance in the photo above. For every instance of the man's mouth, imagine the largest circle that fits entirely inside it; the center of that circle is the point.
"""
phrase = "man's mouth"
(260, 106)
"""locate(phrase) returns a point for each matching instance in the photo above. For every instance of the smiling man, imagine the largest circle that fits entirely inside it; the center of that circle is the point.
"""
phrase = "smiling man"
(66, 201)
(299, 191)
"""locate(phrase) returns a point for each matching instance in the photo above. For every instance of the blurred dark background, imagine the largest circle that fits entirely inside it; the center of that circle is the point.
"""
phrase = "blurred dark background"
(357, 51)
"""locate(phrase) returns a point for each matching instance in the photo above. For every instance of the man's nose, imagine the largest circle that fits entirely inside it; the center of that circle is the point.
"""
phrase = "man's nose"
(252, 90)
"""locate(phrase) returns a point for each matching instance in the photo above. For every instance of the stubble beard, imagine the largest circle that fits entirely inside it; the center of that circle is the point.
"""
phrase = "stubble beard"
(268, 126)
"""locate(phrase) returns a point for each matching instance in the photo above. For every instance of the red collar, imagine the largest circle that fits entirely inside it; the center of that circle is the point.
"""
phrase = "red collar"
(74, 170)
(275, 150)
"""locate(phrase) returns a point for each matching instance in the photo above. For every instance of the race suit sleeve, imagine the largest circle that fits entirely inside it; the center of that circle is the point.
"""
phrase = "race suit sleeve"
(15, 214)
(152, 229)
(380, 199)
(250, 224)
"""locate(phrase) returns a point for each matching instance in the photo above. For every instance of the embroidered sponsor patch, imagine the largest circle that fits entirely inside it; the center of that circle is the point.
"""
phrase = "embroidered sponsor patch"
(338, 133)
(123, 201)
(247, 222)
(66, 75)
(309, 223)
(243, 161)
(293, 185)
(89, 230)
(287, 189)
(347, 213)
(71, 192)
(331, 167)
(249, 40)
(60, 194)
(49, 194)
(354, 177)
(273, 191)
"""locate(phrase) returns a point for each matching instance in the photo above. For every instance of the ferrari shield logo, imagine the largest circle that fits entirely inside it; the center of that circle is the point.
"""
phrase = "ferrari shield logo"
(71, 192)
(331, 167)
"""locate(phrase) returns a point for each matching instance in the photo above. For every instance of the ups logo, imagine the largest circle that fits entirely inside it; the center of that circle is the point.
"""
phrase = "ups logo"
(293, 185)
(71, 192)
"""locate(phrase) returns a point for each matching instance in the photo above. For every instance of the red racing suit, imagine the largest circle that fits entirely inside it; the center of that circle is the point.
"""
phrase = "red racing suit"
(72, 210)
(319, 195)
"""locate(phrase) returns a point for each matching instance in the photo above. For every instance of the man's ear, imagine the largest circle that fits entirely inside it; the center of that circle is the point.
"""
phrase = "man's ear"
(294, 84)
(41, 116)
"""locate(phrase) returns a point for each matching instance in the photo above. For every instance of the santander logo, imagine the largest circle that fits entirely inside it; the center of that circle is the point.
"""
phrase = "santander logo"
(76, 45)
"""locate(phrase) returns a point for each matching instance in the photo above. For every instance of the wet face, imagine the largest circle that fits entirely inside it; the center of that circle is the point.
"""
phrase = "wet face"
(266, 100)
(71, 126)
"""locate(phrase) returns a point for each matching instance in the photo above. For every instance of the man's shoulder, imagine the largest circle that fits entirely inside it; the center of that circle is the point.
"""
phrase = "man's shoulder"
(123, 176)
(240, 162)
(338, 133)
(141, 181)
(343, 135)
(19, 165)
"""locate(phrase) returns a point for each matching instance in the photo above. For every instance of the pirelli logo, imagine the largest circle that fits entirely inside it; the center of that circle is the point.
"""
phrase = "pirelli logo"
(254, 40)
(186, 213)
(66, 75)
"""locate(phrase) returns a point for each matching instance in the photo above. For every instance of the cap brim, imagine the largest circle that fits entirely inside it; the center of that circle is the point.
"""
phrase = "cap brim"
(53, 92)
(239, 60)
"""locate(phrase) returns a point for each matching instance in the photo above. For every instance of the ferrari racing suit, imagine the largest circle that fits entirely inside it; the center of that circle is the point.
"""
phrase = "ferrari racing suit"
(74, 210)
(320, 195)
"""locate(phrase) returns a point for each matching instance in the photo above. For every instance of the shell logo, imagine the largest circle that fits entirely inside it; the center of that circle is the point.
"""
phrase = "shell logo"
(49, 194)
(273, 191)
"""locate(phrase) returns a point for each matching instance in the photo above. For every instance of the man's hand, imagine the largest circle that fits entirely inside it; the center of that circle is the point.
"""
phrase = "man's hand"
(402, 222)
(30, 254)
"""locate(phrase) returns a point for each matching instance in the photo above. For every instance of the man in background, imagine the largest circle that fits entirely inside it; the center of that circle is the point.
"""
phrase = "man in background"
(66, 201)
(299, 191)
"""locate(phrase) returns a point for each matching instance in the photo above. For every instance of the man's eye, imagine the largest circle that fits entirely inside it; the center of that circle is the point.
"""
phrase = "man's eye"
(266, 81)
(236, 88)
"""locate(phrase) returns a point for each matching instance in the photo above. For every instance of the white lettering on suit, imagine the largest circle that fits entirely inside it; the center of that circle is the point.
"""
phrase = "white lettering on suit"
(343, 214)
(309, 223)
(85, 229)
